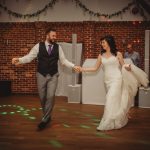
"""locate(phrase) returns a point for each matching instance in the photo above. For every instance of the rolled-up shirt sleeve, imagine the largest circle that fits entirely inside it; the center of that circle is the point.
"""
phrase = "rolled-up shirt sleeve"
(63, 60)
(30, 56)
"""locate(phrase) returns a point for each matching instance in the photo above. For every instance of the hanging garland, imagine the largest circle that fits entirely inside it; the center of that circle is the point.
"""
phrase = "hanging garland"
(90, 12)
(139, 9)
(78, 3)
(18, 15)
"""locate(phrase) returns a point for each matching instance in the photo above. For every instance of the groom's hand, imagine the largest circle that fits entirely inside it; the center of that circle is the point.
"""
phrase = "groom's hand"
(15, 61)
(77, 68)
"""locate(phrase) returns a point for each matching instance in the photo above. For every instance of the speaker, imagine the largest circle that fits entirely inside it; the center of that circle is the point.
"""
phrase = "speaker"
(5, 88)
(74, 93)
(144, 97)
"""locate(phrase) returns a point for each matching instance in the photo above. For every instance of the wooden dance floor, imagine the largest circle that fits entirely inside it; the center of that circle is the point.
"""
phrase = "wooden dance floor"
(73, 127)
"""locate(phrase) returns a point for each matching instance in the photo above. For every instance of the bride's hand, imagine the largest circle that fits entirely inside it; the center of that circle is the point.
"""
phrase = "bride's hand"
(81, 69)
(128, 67)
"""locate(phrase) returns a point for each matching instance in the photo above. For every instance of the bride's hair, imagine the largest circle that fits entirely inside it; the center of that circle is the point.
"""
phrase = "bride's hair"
(111, 42)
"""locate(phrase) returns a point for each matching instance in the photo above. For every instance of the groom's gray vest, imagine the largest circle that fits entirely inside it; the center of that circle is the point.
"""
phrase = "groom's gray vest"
(48, 64)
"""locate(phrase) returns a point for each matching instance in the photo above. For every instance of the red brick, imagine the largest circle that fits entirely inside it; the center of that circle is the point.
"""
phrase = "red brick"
(16, 39)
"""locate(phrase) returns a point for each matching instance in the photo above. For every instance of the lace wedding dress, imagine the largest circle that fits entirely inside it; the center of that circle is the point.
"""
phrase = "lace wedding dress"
(121, 86)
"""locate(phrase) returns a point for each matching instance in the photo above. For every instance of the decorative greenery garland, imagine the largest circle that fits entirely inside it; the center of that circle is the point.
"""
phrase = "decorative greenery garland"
(78, 3)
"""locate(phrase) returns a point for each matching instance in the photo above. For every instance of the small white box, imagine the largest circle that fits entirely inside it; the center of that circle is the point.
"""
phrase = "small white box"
(144, 97)
(74, 93)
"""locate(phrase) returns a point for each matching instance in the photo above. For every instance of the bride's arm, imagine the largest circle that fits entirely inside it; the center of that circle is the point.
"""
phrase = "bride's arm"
(121, 61)
(96, 67)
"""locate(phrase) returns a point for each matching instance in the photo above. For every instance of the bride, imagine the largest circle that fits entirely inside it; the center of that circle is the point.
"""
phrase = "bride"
(121, 80)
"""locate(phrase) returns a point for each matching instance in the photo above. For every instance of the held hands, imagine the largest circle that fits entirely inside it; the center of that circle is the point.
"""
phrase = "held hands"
(15, 61)
(77, 69)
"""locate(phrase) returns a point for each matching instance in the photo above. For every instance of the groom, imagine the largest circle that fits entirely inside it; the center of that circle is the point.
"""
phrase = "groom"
(48, 53)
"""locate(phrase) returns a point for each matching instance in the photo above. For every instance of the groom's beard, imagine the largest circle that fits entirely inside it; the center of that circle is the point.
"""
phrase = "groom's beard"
(51, 41)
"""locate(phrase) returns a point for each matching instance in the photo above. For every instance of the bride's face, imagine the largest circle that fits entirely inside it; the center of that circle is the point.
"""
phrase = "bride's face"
(105, 45)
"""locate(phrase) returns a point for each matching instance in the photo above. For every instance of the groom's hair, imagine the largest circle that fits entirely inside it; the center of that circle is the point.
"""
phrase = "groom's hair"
(49, 30)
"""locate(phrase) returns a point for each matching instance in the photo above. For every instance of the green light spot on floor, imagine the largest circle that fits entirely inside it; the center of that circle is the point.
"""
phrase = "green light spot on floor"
(64, 110)
(26, 114)
(40, 108)
(32, 118)
(96, 120)
(85, 126)
(4, 113)
(14, 105)
(18, 111)
(55, 143)
(66, 125)
(4, 105)
(95, 124)
(33, 108)
(12, 113)
(9, 105)
(103, 135)
(28, 110)
(88, 115)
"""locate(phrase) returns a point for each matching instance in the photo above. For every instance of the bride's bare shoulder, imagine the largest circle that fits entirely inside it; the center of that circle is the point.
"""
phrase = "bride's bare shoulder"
(99, 57)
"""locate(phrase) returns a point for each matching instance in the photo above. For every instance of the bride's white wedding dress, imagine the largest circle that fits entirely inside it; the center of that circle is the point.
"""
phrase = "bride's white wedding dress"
(121, 86)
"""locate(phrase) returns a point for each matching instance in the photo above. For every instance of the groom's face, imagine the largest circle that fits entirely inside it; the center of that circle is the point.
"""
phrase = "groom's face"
(51, 36)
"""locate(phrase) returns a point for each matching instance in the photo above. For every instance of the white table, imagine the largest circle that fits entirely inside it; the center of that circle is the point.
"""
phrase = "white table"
(93, 89)
(144, 97)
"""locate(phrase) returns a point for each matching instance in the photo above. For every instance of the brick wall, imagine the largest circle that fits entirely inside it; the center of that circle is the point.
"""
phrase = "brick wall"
(16, 39)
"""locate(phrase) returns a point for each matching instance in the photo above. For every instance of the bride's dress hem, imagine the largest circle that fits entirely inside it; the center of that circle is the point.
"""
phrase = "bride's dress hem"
(111, 125)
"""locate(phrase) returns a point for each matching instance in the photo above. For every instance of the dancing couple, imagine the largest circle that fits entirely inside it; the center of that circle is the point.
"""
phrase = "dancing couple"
(121, 80)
